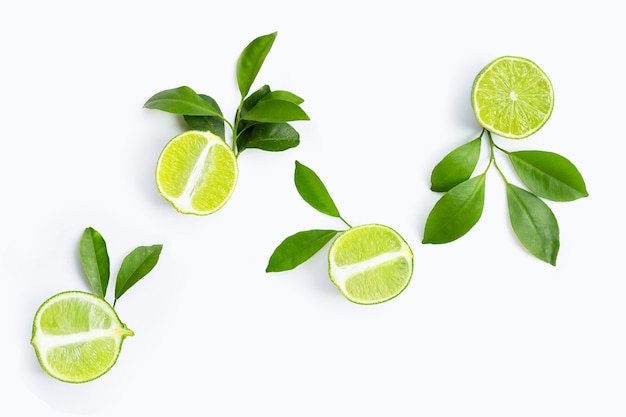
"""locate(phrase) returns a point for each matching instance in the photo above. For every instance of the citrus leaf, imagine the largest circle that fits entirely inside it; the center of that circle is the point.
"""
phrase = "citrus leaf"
(534, 223)
(182, 100)
(313, 191)
(297, 248)
(254, 98)
(213, 124)
(455, 167)
(251, 59)
(275, 111)
(269, 137)
(95, 260)
(284, 95)
(247, 104)
(135, 266)
(456, 212)
(549, 175)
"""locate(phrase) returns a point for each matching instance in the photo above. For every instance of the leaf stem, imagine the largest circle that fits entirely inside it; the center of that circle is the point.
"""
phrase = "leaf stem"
(344, 220)
(492, 158)
(235, 128)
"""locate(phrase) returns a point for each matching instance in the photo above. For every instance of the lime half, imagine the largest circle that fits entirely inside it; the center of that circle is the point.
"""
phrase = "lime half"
(77, 336)
(512, 97)
(197, 172)
(370, 264)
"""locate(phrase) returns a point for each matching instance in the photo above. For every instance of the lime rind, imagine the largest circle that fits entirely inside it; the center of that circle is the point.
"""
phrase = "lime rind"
(512, 97)
(77, 336)
(197, 172)
(370, 264)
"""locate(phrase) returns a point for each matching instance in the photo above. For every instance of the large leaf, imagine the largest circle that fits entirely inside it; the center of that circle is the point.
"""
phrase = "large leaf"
(95, 260)
(269, 137)
(275, 111)
(549, 175)
(297, 248)
(456, 212)
(313, 190)
(182, 100)
(251, 59)
(135, 266)
(213, 124)
(534, 223)
(455, 167)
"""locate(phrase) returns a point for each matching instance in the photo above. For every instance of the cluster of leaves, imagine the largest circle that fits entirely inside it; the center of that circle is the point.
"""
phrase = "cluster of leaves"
(301, 246)
(546, 175)
(94, 258)
(262, 117)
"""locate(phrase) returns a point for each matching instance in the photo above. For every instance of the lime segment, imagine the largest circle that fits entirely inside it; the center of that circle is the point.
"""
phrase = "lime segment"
(370, 264)
(197, 172)
(512, 97)
(77, 336)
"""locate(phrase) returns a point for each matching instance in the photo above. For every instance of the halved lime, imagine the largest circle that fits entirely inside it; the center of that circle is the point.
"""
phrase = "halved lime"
(370, 264)
(512, 97)
(197, 172)
(77, 336)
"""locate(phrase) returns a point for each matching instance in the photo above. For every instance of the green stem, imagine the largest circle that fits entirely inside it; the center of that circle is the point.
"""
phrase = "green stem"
(492, 158)
(344, 220)
(235, 128)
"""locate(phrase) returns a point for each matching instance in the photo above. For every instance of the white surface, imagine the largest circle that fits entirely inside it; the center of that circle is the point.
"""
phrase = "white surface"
(484, 329)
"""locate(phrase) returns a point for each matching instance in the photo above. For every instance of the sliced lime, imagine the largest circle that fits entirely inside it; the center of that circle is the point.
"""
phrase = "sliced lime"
(77, 336)
(370, 264)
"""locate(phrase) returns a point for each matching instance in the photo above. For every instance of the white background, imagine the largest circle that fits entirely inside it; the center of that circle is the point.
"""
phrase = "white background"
(484, 329)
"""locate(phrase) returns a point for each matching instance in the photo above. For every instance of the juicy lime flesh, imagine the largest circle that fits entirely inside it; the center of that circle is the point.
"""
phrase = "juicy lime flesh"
(77, 336)
(370, 264)
(197, 172)
(512, 97)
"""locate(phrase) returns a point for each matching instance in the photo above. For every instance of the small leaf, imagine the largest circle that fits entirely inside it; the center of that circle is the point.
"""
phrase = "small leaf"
(549, 175)
(313, 191)
(284, 95)
(534, 223)
(244, 125)
(251, 59)
(182, 100)
(135, 266)
(254, 98)
(213, 124)
(269, 137)
(297, 248)
(95, 260)
(456, 167)
(275, 111)
(456, 212)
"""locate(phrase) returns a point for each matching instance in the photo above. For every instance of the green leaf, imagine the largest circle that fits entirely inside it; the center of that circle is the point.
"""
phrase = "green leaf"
(214, 124)
(254, 98)
(284, 95)
(244, 125)
(135, 266)
(455, 167)
(297, 248)
(456, 212)
(269, 137)
(182, 100)
(275, 111)
(534, 223)
(549, 175)
(95, 260)
(251, 59)
(313, 191)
